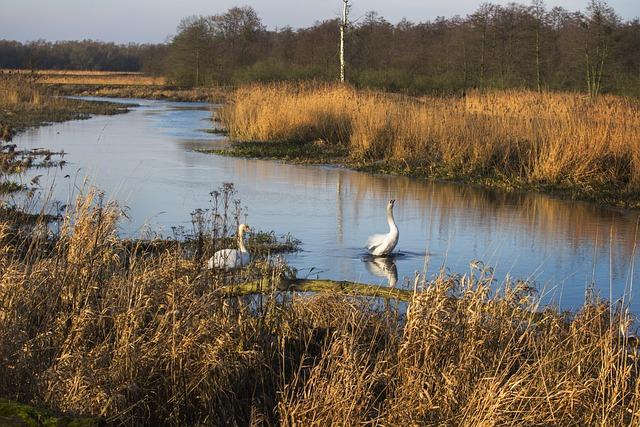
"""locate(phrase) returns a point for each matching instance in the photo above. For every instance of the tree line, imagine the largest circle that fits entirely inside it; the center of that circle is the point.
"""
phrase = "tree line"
(497, 46)
(80, 55)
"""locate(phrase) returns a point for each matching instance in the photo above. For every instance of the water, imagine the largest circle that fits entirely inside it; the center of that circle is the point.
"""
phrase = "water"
(146, 160)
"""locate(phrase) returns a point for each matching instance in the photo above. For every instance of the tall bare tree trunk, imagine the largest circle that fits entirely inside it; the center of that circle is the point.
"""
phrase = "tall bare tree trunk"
(538, 82)
(465, 65)
(197, 67)
(538, 10)
(482, 57)
(343, 29)
(595, 68)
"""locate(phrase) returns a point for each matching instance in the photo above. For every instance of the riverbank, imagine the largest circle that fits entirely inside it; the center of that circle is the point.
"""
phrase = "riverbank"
(24, 104)
(564, 144)
(312, 153)
(162, 92)
(108, 84)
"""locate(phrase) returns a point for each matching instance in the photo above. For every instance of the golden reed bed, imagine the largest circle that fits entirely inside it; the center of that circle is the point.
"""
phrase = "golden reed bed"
(519, 137)
(93, 326)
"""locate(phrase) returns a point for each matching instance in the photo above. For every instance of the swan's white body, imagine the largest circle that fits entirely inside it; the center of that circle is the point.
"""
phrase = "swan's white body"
(232, 259)
(383, 244)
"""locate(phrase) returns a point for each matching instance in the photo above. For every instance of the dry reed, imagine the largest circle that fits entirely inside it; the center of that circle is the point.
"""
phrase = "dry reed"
(90, 326)
(19, 89)
(114, 78)
(519, 138)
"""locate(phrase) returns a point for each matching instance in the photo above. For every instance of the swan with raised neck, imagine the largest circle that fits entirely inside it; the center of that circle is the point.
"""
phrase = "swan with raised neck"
(384, 244)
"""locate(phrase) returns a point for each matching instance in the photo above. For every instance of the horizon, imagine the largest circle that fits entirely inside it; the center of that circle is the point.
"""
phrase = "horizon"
(60, 21)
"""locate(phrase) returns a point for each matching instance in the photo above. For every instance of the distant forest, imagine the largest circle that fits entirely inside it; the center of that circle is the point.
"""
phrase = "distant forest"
(495, 47)
(79, 55)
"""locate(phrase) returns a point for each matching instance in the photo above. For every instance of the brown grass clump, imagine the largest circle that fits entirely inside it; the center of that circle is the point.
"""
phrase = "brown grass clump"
(519, 138)
(92, 326)
(19, 89)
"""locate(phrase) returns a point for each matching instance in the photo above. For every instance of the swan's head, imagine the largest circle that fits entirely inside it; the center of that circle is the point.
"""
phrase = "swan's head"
(391, 203)
(243, 228)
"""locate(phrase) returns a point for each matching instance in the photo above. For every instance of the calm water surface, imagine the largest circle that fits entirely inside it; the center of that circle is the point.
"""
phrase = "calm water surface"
(146, 160)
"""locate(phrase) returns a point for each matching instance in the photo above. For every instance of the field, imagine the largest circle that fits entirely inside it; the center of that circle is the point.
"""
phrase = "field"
(565, 143)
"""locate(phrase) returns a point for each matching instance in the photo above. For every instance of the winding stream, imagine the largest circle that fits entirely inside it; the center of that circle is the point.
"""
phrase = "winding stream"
(146, 160)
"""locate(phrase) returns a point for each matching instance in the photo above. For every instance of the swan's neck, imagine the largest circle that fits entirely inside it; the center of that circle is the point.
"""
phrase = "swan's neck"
(393, 229)
(241, 240)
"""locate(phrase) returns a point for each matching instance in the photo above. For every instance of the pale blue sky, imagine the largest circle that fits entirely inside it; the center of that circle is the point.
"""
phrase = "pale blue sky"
(155, 20)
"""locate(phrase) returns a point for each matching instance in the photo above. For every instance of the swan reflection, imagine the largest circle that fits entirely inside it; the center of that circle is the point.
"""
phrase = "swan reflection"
(384, 267)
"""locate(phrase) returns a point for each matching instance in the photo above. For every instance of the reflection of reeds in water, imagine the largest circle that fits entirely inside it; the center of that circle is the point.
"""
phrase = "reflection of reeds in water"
(547, 218)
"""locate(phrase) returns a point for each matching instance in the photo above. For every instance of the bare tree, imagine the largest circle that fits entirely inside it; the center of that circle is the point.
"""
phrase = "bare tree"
(599, 24)
(538, 12)
(481, 21)
(343, 29)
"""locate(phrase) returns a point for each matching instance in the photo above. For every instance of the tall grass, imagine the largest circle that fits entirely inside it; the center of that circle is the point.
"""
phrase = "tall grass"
(92, 325)
(19, 89)
(517, 137)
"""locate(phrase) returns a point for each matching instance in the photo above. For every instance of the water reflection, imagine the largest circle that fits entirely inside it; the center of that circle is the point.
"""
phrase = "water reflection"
(147, 159)
(536, 214)
(384, 267)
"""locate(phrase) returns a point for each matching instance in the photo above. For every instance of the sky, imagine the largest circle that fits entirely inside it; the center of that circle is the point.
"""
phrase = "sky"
(153, 21)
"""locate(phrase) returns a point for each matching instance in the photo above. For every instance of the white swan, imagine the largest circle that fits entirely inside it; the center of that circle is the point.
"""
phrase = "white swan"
(383, 244)
(232, 259)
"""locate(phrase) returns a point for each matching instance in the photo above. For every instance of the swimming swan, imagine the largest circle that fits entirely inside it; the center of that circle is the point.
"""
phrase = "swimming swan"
(232, 259)
(383, 244)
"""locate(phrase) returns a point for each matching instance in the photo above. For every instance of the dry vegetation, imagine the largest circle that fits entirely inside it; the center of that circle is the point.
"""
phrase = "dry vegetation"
(19, 89)
(113, 84)
(96, 326)
(514, 139)
(214, 95)
(25, 103)
(115, 78)
(106, 84)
